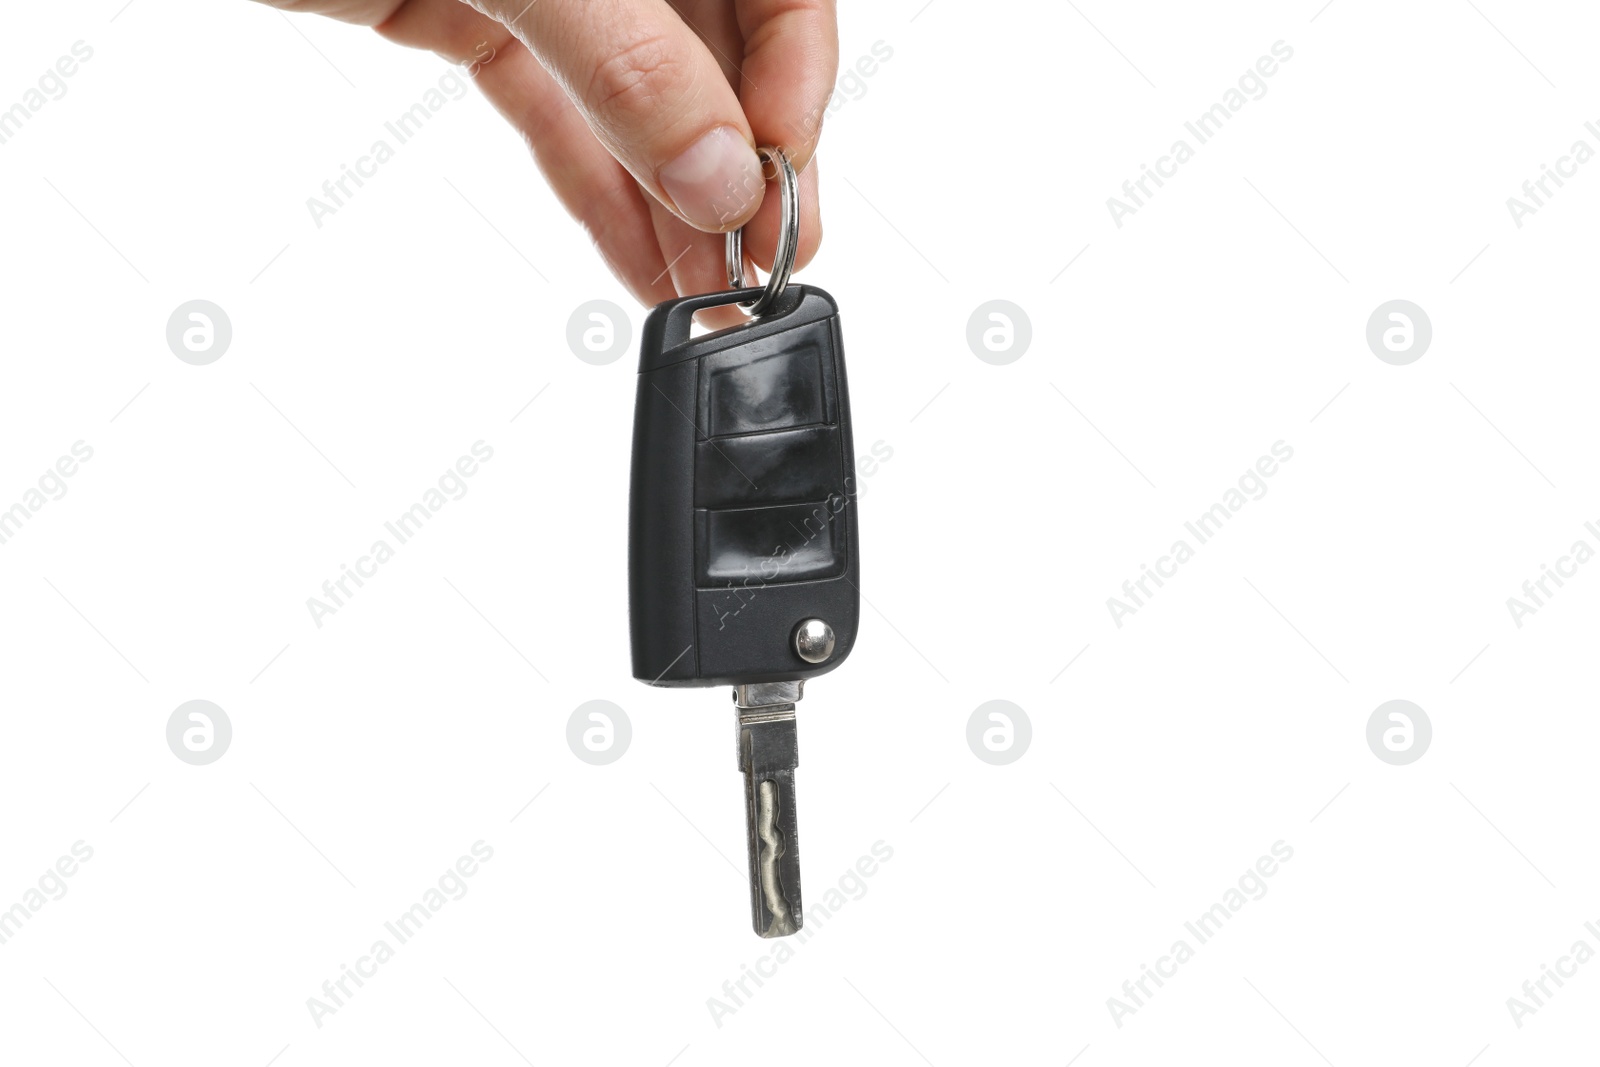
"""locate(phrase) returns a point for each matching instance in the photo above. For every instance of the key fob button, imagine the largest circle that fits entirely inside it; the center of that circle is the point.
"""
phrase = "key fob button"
(767, 385)
(786, 465)
(757, 546)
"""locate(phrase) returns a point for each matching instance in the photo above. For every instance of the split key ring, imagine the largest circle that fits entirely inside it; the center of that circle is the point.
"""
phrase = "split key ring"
(788, 237)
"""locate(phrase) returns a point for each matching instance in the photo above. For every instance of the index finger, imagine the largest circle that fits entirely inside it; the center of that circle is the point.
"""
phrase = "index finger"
(791, 57)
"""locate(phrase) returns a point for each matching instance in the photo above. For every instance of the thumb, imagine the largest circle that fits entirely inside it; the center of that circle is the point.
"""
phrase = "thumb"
(654, 96)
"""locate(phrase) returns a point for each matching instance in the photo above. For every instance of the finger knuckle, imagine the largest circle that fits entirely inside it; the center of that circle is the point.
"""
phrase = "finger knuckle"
(636, 78)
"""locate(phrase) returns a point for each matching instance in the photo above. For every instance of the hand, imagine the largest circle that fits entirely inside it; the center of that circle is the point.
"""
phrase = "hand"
(644, 116)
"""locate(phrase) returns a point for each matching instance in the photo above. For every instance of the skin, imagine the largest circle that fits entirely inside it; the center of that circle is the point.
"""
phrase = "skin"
(608, 92)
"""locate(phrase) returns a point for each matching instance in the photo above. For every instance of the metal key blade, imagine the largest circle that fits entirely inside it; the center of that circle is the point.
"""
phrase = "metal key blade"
(768, 755)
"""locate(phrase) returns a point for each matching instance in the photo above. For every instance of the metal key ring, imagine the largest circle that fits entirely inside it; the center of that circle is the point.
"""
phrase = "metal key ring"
(788, 237)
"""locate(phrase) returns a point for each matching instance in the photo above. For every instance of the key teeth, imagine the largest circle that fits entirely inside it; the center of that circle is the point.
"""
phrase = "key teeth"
(769, 752)
(772, 847)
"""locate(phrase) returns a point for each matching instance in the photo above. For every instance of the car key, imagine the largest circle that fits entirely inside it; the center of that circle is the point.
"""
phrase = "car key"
(742, 559)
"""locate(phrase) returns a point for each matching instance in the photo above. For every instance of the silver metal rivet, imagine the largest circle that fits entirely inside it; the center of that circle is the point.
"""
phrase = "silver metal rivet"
(813, 640)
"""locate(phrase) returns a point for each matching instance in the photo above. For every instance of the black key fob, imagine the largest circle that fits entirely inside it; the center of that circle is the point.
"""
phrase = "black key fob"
(742, 510)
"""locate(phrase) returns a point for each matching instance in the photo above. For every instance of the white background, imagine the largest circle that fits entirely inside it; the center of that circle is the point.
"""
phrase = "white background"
(1227, 714)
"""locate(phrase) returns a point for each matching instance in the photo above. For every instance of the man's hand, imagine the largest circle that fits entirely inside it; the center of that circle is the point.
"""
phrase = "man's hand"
(644, 115)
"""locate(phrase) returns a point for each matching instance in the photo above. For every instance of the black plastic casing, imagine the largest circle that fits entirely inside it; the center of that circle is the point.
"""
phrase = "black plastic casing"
(742, 509)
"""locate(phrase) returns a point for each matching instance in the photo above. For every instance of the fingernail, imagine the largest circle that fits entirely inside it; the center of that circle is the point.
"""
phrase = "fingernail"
(715, 180)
